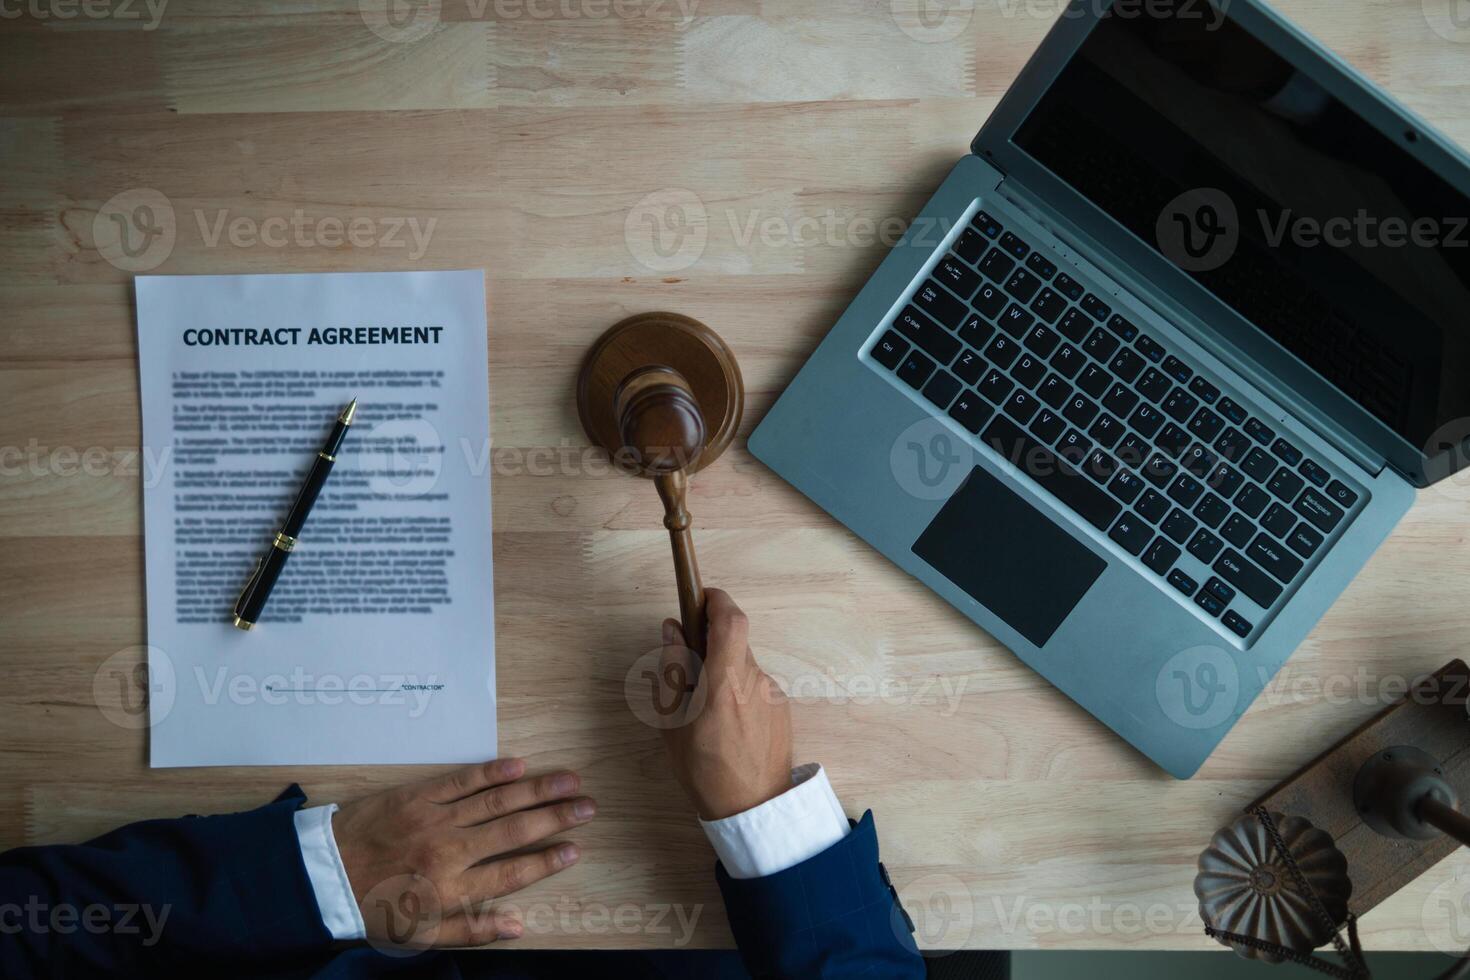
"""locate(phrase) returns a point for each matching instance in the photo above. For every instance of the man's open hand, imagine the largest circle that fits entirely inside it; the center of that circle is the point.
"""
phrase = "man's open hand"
(733, 749)
(426, 860)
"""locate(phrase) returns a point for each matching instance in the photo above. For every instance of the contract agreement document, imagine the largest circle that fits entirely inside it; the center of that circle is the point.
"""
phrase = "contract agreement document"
(377, 644)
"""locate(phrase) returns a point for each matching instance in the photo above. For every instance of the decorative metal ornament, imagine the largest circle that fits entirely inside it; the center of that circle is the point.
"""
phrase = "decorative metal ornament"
(1246, 887)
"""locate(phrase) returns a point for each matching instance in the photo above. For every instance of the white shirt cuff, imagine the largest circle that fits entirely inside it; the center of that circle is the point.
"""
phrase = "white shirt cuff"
(783, 832)
(328, 875)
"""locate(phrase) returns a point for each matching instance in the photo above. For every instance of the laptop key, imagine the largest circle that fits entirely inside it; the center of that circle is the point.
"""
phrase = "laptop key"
(1238, 531)
(1319, 510)
(1204, 391)
(971, 411)
(1154, 385)
(1131, 533)
(1047, 425)
(1126, 486)
(1278, 520)
(1224, 480)
(1233, 444)
(942, 388)
(1237, 623)
(1049, 304)
(1021, 406)
(1183, 582)
(937, 342)
(1304, 540)
(1286, 484)
(1153, 506)
(1002, 351)
(1053, 474)
(1259, 431)
(1251, 501)
(1069, 287)
(1205, 546)
(1133, 450)
(1286, 452)
(1211, 510)
(970, 246)
(1217, 588)
(996, 386)
(1028, 370)
(1068, 360)
(1206, 425)
(1259, 587)
(997, 265)
(1209, 603)
(915, 369)
(1095, 307)
(1080, 410)
(1149, 348)
(1180, 404)
(1015, 321)
(1094, 380)
(1179, 525)
(1106, 431)
(1120, 399)
(1231, 411)
(1338, 491)
(1126, 364)
(969, 367)
(1271, 555)
(935, 300)
(1159, 471)
(1123, 327)
(976, 331)
(957, 276)
(1041, 265)
(1014, 246)
(890, 349)
(1177, 369)
(1314, 472)
(1161, 555)
(985, 224)
(1074, 447)
(1185, 490)
(1022, 285)
(1199, 461)
(1147, 420)
(989, 300)
(1054, 391)
(1075, 325)
(1172, 440)
(1258, 465)
(1100, 466)
(1042, 340)
(1100, 344)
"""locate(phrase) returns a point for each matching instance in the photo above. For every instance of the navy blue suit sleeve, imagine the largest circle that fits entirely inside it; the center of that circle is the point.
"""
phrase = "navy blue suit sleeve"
(833, 916)
(161, 893)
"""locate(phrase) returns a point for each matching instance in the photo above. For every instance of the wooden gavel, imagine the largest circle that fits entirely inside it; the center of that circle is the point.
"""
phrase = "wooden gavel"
(663, 395)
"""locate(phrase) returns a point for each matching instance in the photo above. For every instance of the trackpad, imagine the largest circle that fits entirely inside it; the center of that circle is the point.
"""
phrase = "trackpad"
(1009, 556)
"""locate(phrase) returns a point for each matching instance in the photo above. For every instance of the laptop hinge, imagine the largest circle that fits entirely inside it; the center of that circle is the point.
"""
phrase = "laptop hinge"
(1165, 307)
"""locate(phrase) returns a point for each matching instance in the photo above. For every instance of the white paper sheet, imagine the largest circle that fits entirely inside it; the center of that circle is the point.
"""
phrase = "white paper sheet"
(377, 644)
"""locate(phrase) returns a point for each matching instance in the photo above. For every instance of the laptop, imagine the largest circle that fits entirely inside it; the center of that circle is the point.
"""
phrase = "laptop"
(1159, 365)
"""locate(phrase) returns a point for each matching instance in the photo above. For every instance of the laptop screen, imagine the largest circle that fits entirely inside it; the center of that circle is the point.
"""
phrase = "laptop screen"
(1280, 200)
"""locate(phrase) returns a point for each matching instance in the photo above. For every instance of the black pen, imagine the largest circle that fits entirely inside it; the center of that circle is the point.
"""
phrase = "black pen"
(268, 569)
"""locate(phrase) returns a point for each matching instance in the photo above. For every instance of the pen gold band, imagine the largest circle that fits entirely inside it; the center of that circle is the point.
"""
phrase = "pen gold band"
(330, 459)
(243, 624)
(285, 542)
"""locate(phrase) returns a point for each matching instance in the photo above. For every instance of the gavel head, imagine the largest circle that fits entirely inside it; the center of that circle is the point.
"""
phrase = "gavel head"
(659, 420)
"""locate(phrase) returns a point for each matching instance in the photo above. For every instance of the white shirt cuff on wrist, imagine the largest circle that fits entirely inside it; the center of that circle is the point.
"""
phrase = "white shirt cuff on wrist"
(328, 875)
(783, 832)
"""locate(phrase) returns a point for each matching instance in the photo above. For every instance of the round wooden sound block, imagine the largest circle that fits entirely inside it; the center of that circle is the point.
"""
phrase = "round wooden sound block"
(661, 340)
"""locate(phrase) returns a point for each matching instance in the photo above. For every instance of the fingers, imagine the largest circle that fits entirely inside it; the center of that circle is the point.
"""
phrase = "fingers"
(502, 801)
(501, 878)
(473, 779)
(478, 927)
(729, 630)
(527, 827)
(674, 634)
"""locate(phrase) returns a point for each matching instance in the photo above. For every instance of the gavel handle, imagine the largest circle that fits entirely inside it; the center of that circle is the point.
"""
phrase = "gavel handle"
(672, 488)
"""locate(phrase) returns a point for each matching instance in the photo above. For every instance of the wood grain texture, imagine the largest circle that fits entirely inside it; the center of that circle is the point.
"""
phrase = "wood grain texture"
(742, 162)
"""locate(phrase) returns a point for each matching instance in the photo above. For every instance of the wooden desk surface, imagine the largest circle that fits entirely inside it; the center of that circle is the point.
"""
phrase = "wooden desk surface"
(597, 159)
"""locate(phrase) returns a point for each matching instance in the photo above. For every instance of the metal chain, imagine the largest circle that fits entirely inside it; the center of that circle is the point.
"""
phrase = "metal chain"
(1304, 959)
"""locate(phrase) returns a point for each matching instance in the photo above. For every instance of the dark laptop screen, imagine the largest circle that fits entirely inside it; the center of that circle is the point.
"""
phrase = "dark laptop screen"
(1279, 199)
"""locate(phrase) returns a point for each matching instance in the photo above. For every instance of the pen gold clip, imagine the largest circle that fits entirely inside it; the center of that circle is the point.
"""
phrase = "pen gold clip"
(240, 602)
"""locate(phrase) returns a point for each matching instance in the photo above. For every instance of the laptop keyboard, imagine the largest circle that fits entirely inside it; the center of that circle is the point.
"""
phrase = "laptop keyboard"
(1129, 435)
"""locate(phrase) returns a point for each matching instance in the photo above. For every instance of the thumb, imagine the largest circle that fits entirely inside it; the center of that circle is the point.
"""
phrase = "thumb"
(673, 634)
